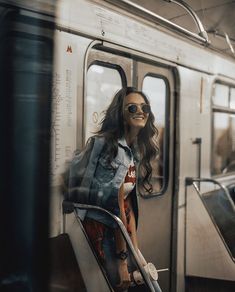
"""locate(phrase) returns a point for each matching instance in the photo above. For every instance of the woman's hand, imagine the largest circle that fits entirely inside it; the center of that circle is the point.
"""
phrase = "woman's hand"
(124, 275)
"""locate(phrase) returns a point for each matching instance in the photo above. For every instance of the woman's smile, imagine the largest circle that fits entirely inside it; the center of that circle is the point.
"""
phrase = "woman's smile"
(138, 118)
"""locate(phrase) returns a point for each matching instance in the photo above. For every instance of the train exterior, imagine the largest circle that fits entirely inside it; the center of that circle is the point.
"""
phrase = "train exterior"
(187, 227)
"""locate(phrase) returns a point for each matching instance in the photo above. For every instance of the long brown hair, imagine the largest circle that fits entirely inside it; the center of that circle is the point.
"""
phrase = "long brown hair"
(112, 128)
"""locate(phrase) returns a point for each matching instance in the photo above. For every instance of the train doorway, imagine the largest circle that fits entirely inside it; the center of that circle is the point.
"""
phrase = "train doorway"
(107, 71)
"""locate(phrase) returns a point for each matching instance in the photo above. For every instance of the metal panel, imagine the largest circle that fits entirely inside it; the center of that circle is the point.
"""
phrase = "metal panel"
(67, 113)
(194, 121)
(93, 277)
(106, 22)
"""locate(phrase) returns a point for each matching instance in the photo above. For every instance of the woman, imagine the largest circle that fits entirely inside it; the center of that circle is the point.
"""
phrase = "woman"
(127, 139)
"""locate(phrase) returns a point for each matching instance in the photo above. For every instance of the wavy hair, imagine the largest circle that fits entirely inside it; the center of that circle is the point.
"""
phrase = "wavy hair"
(112, 128)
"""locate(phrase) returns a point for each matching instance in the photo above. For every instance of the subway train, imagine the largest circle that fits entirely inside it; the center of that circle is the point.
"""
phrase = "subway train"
(67, 60)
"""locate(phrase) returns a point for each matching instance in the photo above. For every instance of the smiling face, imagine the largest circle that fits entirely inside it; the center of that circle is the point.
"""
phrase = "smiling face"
(135, 117)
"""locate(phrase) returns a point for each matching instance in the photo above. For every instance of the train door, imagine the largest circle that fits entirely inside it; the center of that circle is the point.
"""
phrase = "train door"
(106, 73)
(155, 230)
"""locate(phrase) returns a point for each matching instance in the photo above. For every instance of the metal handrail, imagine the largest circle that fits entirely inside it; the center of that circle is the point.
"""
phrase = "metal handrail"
(191, 181)
(202, 36)
(70, 208)
(225, 36)
(188, 8)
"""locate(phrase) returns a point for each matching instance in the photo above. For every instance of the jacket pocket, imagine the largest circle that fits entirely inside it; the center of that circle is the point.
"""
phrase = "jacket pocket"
(105, 171)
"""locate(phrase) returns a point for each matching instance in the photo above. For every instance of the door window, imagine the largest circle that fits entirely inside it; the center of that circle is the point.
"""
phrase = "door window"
(155, 88)
(103, 81)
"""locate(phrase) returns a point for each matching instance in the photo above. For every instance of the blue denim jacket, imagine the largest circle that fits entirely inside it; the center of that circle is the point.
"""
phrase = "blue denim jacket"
(105, 180)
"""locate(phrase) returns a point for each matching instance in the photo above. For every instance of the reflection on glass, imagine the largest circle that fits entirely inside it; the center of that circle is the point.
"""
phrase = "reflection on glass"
(155, 89)
(221, 210)
(102, 84)
(232, 98)
(221, 95)
(223, 143)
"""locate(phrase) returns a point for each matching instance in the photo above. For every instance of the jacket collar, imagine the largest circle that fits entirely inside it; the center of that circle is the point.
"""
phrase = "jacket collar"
(122, 143)
(133, 151)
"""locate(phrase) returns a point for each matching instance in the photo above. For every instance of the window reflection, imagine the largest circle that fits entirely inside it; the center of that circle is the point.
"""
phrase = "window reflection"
(102, 83)
(155, 89)
(223, 142)
(232, 98)
(221, 95)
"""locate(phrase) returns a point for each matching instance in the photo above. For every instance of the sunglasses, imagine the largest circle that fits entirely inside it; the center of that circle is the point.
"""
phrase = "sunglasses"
(132, 108)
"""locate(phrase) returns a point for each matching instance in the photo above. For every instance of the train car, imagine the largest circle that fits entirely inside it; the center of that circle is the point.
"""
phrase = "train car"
(104, 45)
(187, 226)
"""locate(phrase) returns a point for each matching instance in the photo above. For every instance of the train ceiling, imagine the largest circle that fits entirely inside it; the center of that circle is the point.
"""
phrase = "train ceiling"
(217, 17)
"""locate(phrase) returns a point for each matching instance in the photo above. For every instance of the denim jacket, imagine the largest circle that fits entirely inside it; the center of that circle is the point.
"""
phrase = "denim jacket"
(105, 179)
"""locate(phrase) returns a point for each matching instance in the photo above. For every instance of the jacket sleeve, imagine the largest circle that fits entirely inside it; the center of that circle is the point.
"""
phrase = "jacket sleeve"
(82, 170)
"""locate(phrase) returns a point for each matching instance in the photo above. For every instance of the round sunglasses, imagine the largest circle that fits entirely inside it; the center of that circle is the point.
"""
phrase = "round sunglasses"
(132, 108)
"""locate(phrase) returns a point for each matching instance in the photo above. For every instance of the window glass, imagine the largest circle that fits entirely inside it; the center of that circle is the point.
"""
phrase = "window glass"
(232, 98)
(102, 83)
(223, 143)
(221, 95)
(155, 89)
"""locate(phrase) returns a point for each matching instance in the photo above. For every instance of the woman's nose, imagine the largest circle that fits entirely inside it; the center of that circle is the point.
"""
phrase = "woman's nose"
(139, 109)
